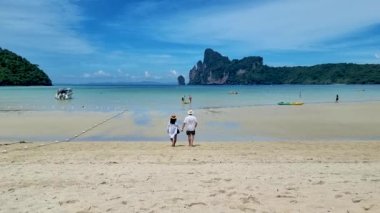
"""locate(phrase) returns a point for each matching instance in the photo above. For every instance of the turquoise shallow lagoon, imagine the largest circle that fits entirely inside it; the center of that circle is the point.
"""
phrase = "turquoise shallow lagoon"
(167, 98)
(33, 114)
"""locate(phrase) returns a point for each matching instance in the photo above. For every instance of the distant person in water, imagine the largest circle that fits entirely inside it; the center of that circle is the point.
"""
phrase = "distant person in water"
(191, 124)
(173, 129)
(190, 98)
(337, 98)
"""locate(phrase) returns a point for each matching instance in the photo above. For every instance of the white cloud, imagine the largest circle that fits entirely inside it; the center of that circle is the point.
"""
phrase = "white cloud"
(86, 75)
(101, 73)
(119, 76)
(47, 25)
(147, 74)
(97, 74)
(174, 73)
(286, 24)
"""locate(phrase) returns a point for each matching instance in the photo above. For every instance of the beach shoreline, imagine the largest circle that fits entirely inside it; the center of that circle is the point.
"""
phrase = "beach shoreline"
(324, 159)
(342, 121)
(223, 177)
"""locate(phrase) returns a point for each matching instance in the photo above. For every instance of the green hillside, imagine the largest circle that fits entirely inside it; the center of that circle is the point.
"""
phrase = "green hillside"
(17, 71)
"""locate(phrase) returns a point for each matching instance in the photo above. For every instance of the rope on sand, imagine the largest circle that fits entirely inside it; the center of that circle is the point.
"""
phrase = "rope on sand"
(69, 139)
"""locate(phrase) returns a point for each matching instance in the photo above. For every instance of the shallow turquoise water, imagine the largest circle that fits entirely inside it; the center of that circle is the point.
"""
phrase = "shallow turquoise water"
(167, 98)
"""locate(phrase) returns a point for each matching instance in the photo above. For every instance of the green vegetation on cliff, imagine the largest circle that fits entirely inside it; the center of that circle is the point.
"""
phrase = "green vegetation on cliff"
(17, 71)
(218, 69)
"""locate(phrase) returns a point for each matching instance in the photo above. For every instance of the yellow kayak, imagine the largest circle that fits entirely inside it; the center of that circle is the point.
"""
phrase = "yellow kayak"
(290, 103)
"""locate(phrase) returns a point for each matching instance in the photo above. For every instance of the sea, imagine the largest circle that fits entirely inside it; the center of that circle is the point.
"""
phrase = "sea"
(140, 100)
(167, 98)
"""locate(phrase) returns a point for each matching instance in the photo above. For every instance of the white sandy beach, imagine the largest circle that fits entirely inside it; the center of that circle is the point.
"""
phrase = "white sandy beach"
(307, 171)
(211, 177)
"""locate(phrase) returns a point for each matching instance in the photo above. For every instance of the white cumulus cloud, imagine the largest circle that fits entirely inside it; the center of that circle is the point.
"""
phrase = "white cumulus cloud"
(47, 25)
(147, 74)
(97, 74)
(174, 73)
(286, 24)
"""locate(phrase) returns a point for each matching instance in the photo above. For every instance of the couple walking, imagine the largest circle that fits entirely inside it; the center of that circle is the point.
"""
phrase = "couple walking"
(190, 123)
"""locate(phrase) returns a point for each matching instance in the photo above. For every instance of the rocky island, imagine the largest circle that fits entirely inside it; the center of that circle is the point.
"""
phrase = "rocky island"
(219, 70)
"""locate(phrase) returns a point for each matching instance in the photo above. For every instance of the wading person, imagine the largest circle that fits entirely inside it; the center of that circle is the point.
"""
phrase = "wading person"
(173, 129)
(190, 123)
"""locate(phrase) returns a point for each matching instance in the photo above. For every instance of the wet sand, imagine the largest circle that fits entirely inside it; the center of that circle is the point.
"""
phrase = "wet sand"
(345, 122)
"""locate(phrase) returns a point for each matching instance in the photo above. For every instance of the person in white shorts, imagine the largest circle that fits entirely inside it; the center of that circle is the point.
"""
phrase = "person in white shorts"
(173, 129)
(190, 123)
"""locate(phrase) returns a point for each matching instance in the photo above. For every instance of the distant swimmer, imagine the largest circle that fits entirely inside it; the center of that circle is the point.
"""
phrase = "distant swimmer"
(233, 92)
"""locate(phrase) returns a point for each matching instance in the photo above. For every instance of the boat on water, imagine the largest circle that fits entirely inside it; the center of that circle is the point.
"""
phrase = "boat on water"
(290, 103)
(64, 94)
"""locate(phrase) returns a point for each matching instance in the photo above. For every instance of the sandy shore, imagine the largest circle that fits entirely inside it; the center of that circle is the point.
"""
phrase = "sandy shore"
(348, 121)
(319, 158)
(211, 177)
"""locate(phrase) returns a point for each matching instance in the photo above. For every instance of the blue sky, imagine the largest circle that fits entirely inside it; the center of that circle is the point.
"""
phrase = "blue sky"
(89, 41)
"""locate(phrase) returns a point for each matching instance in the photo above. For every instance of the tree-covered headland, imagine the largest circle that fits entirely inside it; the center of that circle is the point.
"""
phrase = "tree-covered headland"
(18, 71)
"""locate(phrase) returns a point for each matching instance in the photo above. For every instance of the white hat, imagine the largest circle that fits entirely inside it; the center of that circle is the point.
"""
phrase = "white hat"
(190, 112)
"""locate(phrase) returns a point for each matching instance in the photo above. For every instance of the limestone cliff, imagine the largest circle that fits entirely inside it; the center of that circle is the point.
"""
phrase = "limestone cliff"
(218, 69)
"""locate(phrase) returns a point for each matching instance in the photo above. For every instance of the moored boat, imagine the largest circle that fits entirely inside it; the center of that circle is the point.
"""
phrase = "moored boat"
(64, 94)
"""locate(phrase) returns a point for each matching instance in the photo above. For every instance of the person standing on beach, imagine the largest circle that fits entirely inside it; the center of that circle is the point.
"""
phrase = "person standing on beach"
(173, 129)
(191, 124)
(337, 98)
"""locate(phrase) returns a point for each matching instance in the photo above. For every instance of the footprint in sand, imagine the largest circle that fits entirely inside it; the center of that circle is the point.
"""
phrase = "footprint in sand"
(285, 196)
(246, 209)
(250, 199)
(195, 204)
(356, 200)
(319, 183)
(367, 208)
(231, 194)
(212, 180)
(113, 198)
(176, 199)
(67, 202)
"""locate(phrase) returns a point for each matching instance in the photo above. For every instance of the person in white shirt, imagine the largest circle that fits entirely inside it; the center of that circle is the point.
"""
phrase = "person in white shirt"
(190, 123)
(173, 129)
